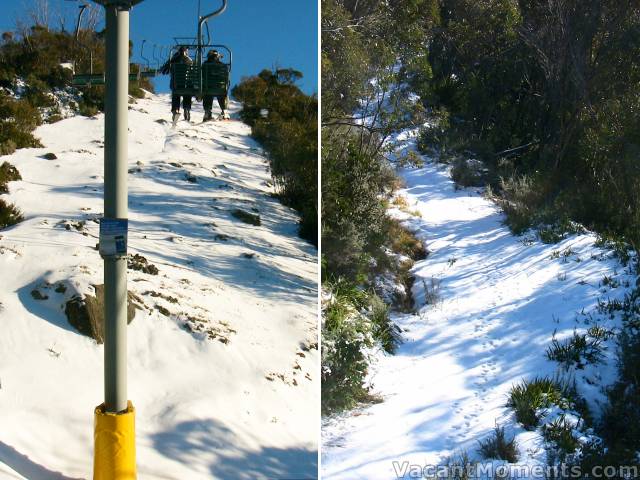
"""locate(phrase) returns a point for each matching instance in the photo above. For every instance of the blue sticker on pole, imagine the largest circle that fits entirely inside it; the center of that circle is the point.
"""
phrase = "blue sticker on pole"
(113, 237)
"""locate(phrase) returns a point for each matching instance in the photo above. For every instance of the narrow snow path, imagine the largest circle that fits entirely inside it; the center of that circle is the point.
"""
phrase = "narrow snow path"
(499, 300)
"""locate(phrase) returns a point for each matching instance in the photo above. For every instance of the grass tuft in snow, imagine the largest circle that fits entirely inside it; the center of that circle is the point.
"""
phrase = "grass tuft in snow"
(459, 467)
(384, 330)
(432, 290)
(559, 432)
(498, 447)
(9, 214)
(580, 349)
(528, 398)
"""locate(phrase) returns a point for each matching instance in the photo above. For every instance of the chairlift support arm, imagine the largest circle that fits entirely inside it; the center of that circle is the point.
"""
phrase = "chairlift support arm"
(201, 21)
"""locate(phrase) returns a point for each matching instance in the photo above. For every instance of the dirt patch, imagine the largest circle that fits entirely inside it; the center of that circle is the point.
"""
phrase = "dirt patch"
(246, 217)
(139, 263)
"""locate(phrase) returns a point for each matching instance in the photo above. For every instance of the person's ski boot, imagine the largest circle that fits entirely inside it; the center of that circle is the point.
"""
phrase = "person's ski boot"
(187, 115)
(224, 116)
(175, 118)
(207, 116)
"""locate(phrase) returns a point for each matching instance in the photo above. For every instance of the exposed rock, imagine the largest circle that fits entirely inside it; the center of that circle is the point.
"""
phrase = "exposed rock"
(38, 296)
(50, 156)
(87, 314)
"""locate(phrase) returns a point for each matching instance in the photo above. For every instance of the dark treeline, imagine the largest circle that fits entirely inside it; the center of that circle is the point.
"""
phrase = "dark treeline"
(34, 57)
(545, 93)
(285, 121)
(547, 90)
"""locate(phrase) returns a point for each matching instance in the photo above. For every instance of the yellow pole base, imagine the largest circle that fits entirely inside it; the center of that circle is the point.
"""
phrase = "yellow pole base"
(115, 444)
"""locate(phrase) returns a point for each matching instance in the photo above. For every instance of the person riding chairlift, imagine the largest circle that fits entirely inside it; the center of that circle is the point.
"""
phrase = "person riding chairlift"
(214, 57)
(180, 57)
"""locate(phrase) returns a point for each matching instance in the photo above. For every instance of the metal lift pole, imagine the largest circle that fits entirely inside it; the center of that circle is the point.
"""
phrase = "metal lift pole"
(114, 425)
(115, 204)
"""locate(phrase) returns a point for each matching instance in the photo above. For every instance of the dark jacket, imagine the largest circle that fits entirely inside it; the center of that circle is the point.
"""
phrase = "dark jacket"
(176, 58)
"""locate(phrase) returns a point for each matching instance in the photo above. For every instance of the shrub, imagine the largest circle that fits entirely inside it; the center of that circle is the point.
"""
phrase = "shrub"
(18, 118)
(346, 333)
(354, 220)
(520, 199)
(8, 173)
(38, 93)
(246, 217)
(498, 447)
(529, 397)
(410, 159)
(7, 147)
(468, 172)
(9, 214)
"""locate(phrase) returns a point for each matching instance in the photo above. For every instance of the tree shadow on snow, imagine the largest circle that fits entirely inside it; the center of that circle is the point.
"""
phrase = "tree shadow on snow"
(209, 442)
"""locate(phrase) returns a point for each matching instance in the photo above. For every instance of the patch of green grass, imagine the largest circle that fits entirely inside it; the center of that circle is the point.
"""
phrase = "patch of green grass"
(405, 242)
(384, 330)
(499, 447)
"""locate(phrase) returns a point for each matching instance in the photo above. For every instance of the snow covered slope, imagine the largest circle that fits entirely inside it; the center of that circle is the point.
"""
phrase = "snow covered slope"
(223, 353)
(496, 301)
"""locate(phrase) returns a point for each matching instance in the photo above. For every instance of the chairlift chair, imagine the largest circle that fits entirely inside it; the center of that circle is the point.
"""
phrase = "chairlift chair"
(147, 71)
(202, 78)
(90, 79)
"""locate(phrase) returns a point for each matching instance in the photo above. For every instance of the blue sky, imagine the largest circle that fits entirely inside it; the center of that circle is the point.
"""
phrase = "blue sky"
(261, 33)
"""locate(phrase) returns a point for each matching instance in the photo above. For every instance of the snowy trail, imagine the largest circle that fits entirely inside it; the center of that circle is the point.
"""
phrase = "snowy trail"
(223, 352)
(500, 299)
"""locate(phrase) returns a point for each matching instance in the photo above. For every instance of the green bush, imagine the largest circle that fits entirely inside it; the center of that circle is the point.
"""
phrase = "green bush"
(7, 147)
(354, 220)
(346, 334)
(498, 447)
(38, 93)
(18, 118)
(8, 173)
(467, 172)
(9, 214)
